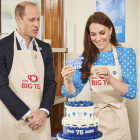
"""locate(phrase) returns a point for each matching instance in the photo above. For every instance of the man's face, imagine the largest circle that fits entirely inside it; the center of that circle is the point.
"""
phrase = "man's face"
(29, 24)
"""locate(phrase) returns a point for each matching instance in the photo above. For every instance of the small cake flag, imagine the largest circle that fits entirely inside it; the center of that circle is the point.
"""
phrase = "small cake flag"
(75, 63)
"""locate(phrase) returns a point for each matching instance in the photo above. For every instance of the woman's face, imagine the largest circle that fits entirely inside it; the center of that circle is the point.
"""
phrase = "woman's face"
(100, 36)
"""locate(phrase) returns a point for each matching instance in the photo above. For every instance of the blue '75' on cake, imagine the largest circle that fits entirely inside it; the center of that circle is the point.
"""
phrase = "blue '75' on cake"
(80, 122)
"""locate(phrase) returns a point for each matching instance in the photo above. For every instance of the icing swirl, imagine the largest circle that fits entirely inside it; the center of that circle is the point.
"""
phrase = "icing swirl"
(80, 103)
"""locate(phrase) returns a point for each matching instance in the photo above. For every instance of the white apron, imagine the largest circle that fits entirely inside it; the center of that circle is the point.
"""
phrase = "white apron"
(109, 105)
(26, 79)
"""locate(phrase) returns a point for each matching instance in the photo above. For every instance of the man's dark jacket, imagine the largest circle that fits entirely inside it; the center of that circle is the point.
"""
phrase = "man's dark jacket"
(13, 103)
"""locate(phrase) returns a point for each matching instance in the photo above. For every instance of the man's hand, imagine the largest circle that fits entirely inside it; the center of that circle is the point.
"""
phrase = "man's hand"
(36, 119)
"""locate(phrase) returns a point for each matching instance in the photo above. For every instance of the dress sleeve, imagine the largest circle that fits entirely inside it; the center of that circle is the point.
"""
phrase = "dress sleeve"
(129, 72)
(77, 82)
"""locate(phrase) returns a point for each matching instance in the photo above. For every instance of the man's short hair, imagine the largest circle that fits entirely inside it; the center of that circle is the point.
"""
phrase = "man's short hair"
(20, 8)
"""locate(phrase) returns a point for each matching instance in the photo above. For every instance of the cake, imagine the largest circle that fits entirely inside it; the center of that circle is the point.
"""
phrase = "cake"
(80, 122)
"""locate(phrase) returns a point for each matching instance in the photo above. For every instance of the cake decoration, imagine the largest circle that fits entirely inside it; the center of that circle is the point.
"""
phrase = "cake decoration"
(80, 122)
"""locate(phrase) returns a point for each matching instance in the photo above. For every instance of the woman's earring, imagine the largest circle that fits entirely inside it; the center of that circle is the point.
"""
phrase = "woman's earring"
(110, 36)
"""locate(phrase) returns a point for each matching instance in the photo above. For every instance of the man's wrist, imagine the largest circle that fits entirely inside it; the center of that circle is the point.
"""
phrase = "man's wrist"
(28, 113)
(45, 113)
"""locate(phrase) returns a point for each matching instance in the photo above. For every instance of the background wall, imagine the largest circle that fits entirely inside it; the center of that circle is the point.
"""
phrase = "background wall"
(138, 68)
(76, 12)
(8, 22)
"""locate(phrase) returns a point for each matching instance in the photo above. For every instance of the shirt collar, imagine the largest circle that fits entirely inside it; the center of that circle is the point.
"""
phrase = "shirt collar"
(21, 39)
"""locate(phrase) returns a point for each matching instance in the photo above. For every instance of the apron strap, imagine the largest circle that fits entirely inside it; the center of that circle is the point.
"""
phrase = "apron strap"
(37, 47)
(116, 58)
(15, 43)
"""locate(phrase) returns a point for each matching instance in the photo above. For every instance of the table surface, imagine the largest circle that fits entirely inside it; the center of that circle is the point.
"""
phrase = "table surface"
(59, 99)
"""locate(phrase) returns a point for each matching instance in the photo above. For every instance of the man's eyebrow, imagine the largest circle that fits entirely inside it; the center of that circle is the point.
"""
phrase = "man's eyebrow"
(31, 18)
(34, 18)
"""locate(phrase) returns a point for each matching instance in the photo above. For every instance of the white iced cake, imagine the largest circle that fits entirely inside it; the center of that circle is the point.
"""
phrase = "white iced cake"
(80, 122)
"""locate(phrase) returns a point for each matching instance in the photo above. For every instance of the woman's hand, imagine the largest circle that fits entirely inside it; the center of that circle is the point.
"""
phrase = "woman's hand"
(103, 72)
(67, 72)
(119, 86)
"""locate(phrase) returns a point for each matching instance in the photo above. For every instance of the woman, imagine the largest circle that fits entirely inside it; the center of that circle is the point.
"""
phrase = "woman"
(111, 71)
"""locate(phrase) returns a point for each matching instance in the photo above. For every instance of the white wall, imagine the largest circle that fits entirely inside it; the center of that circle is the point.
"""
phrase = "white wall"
(8, 22)
(132, 41)
(138, 68)
(76, 13)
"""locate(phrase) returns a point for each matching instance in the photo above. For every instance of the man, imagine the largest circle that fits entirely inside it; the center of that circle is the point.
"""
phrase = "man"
(27, 80)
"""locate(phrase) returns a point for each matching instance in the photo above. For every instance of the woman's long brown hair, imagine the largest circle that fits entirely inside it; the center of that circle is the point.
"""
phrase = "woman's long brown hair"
(90, 52)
